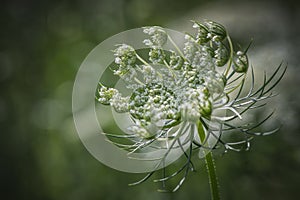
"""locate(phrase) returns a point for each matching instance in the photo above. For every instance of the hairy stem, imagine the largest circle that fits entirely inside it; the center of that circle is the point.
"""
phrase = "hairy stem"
(210, 166)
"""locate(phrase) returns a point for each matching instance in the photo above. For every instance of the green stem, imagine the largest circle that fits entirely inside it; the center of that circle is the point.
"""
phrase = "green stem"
(210, 166)
(142, 60)
(176, 47)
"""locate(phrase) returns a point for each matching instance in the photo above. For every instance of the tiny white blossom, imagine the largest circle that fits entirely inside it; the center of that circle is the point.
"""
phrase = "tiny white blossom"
(158, 37)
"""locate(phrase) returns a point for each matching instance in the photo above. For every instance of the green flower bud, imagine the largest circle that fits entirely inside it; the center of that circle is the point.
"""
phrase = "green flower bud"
(221, 55)
(240, 62)
(206, 109)
(202, 34)
(217, 30)
(156, 56)
(176, 61)
(206, 93)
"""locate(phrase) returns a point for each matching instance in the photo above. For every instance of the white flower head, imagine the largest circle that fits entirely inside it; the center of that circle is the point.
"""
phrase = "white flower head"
(158, 36)
(181, 93)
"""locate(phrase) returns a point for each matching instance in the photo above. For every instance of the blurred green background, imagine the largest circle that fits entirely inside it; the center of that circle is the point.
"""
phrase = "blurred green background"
(42, 45)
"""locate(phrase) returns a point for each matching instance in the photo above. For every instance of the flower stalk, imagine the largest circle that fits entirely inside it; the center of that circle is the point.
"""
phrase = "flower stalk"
(210, 167)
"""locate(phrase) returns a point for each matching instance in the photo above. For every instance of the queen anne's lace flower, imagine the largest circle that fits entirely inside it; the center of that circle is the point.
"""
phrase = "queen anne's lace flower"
(106, 94)
(158, 36)
(125, 57)
(179, 91)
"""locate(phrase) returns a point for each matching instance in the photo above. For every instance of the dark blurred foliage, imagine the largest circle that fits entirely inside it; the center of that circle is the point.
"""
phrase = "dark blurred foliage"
(42, 44)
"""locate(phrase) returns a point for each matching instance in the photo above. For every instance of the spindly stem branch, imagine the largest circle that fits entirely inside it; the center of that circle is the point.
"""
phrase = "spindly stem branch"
(176, 47)
(210, 166)
(231, 55)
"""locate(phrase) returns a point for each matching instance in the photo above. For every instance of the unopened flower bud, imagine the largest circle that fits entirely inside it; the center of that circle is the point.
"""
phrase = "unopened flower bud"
(217, 30)
(206, 109)
(240, 62)
(156, 56)
(221, 55)
(203, 33)
(176, 61)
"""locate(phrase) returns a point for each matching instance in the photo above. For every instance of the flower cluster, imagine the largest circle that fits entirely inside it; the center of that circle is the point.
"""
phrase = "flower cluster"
(186, 90)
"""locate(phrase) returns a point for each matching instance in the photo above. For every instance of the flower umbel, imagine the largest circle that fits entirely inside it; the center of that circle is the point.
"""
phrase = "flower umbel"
(190, 99)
